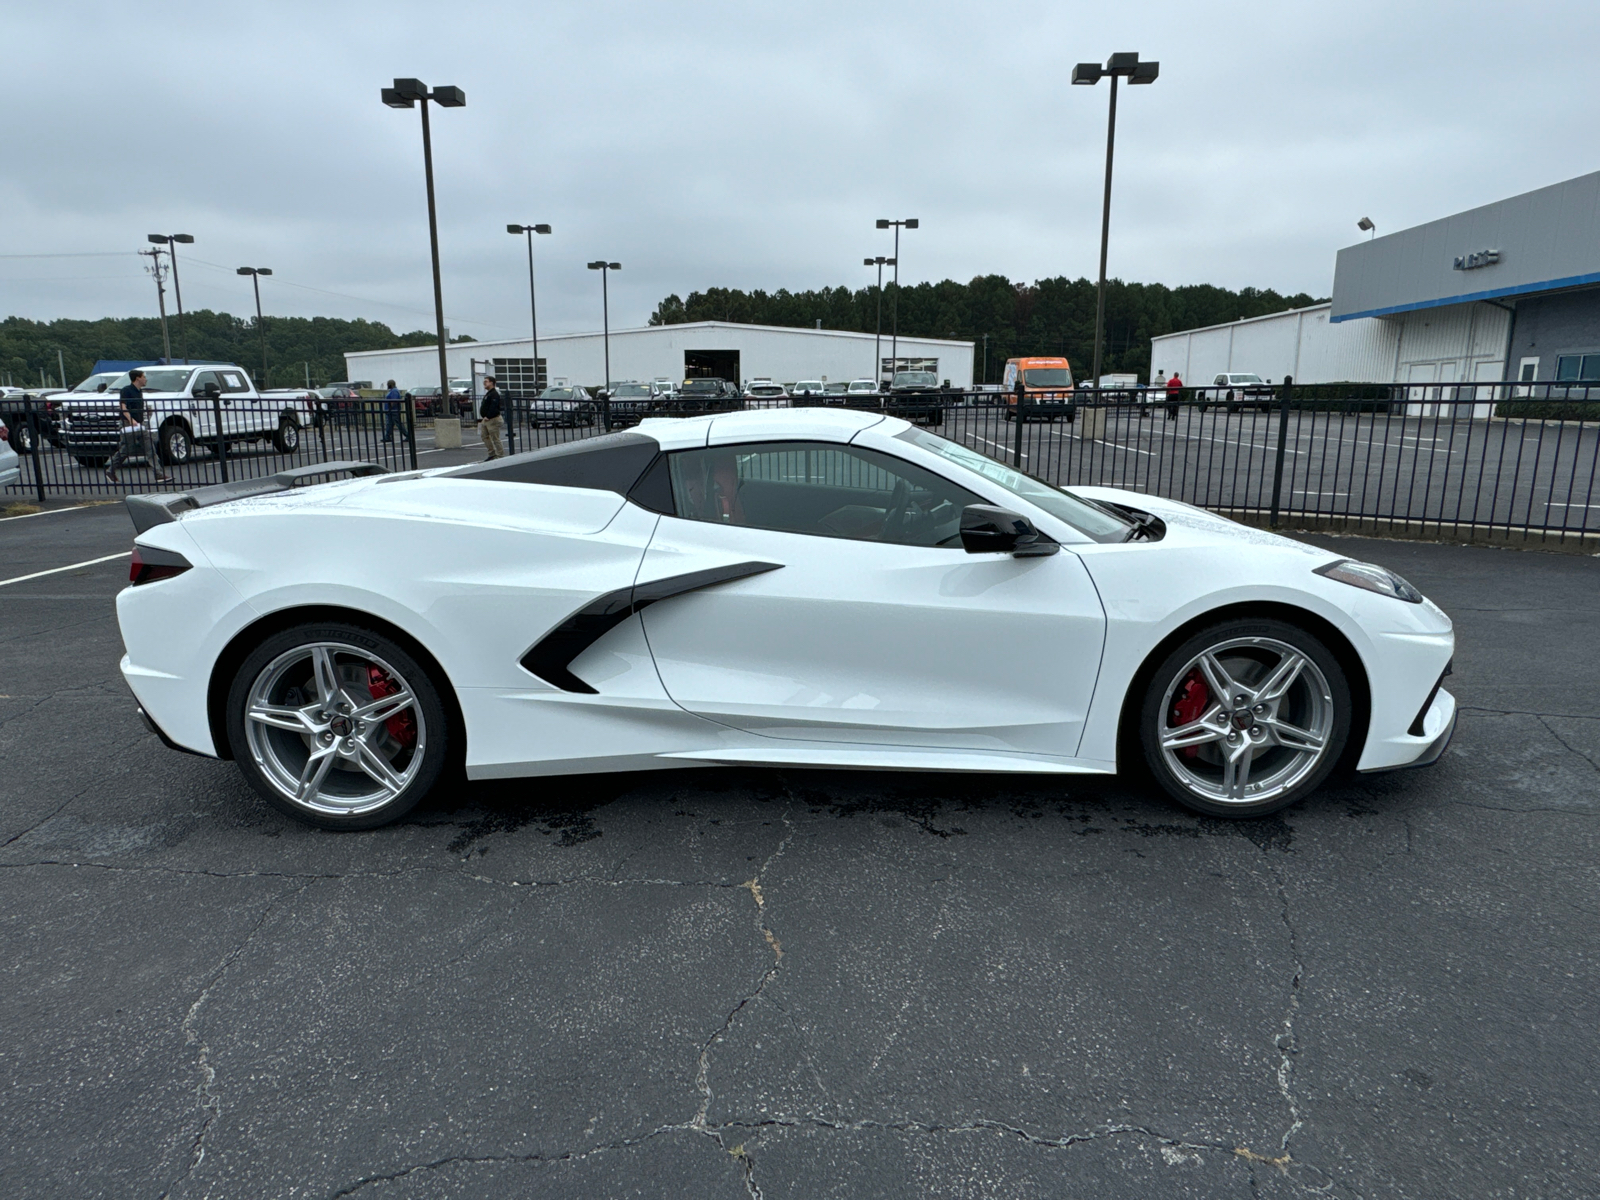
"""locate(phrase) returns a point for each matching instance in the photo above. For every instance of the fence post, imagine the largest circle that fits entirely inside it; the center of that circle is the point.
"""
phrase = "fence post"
(411, 427)
(1283, 437)
(222, 442)
(32, 420)
(1016, 449)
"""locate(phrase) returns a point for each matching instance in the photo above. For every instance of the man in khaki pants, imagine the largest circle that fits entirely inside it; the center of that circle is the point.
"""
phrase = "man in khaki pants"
(491, 425)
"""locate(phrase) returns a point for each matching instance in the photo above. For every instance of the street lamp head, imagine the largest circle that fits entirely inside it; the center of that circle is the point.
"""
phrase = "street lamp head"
(614, 266)
(516, 229)
(883, 224)
(449, 97)
(541, 229)
(245, 271)
(911, 223)
(159, 239)
(409, 90)
(890, 261)
(263, 270)
(1122, 63)
(1087, 73)
(185, 238)
(1145, 72)
(394, 99)
(869, 262)
(597, 266)
(1365, 225)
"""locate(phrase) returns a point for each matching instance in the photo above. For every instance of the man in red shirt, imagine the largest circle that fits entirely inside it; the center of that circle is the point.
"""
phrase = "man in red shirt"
(1174, 390)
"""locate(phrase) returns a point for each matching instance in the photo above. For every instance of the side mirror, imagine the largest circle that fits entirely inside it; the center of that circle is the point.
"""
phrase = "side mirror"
(986, 529)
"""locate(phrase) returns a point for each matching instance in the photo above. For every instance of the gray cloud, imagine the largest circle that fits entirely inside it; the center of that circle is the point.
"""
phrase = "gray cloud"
(752, 146)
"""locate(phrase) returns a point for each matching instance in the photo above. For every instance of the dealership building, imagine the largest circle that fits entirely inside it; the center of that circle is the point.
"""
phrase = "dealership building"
(1508, 291)
(723, 349)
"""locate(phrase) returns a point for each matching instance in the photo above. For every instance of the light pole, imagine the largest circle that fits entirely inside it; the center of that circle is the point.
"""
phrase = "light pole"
(533, 305)
(894, 309)
(255, 274)
(986, 358)
(877, 340)
(605, 268)
(156, 270)
(170, 241)
(1367, 227)
(404, 94)
(1125, 65)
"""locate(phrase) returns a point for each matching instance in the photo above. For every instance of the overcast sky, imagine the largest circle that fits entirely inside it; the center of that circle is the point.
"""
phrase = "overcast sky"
(750, 145)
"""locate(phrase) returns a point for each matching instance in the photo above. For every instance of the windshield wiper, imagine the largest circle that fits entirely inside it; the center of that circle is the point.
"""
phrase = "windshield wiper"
(1145, 527)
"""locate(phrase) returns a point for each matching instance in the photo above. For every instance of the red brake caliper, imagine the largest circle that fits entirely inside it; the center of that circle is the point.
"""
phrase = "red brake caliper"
(1190, 700)
(402, 727)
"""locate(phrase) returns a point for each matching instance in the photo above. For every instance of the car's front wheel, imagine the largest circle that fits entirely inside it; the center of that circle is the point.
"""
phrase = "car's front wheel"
(176, 447)
(287, 437)
(1245, 718)
(337, 725)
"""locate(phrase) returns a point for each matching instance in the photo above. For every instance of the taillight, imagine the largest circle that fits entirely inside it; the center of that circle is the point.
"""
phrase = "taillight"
(150, 564)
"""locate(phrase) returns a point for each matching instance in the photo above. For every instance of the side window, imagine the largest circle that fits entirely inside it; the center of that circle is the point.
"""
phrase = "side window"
(202, 378)
(819, 488)
(233, 381)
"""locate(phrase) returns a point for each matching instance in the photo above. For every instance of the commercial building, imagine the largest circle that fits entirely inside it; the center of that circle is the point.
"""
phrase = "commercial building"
(724, 349)
(1508, 291)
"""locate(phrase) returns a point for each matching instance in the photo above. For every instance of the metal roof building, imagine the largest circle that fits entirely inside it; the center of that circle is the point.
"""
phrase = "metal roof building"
(1509, 290)
(725, 349)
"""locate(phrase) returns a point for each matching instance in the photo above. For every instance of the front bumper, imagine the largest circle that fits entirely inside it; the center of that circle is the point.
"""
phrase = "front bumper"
(1438, 727)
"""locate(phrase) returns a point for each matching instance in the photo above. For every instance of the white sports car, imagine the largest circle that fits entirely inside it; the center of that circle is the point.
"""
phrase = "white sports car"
(800, 588)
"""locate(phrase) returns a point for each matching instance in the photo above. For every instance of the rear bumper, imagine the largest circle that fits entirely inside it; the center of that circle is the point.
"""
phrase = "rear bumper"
(165, 740)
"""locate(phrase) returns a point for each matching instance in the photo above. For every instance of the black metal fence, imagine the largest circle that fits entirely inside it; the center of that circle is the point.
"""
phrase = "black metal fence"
(1423, 460)
(66, 446)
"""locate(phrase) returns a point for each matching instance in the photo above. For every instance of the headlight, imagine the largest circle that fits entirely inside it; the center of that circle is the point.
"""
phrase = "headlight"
(1372, 578)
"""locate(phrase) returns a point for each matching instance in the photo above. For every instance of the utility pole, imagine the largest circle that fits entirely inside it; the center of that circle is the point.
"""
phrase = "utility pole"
(158, 269)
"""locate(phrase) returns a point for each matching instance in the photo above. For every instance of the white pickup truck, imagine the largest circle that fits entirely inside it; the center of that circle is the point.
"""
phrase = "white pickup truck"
(181, 408)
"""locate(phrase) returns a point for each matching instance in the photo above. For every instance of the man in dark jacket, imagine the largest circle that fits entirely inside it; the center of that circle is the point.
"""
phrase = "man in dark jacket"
(135, 440)
(491, 424)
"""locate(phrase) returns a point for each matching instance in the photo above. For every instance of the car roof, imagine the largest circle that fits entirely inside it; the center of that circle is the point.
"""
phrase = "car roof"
(774, 424)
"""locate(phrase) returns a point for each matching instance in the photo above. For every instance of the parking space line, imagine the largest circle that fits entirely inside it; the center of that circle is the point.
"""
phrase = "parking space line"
(69, 567)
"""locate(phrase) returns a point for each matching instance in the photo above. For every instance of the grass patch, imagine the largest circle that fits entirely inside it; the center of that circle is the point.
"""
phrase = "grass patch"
(19, 509)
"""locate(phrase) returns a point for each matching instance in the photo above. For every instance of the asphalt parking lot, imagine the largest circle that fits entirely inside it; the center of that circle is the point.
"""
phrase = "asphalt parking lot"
(791, 984)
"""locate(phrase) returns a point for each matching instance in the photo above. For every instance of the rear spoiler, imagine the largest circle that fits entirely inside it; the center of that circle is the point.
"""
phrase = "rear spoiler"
(159, 508)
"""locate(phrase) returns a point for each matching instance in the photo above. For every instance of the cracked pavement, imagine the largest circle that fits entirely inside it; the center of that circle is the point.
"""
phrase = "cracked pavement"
(798, 984)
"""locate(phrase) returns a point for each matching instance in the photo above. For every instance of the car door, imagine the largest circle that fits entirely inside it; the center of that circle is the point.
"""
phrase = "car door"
(240, 414)
(851, 613)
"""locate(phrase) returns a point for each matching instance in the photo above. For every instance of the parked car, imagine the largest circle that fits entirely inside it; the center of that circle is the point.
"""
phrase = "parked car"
(809, 388)
(10, 466)
(917, 397)
(704, 394)
(764, 393)
(181, 406)
(1045, 384)
(860, 610)
(427, 403)
(567, 406)
(631, 402)
(341, 403)
(1236, 389)
(13, 412)
(837, 388)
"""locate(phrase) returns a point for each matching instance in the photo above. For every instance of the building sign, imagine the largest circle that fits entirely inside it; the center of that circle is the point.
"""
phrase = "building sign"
(1471, 262)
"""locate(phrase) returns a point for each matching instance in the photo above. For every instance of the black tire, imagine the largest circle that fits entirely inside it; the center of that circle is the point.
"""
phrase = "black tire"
(92, 461)
(287, 437)
(21, 433)
(175, 444)
(1189, 772)
(419, 766)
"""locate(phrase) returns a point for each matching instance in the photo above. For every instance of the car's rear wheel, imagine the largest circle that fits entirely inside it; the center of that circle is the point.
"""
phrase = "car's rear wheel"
(337, 726)
(287, 438)
(1245, 718)
(21, 433)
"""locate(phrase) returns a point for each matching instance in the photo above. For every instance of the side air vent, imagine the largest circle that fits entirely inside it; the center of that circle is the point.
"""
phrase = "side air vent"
(551, 659)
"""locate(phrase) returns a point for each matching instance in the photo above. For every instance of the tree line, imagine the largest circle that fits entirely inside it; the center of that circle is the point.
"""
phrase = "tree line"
(1047, 317)
(297, 347)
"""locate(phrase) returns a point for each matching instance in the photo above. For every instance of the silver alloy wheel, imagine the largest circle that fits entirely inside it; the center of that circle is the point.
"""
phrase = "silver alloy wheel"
(323, 739)
(1264, 721)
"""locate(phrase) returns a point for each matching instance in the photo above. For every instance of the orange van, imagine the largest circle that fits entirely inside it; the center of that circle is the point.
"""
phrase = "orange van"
(1047, 384)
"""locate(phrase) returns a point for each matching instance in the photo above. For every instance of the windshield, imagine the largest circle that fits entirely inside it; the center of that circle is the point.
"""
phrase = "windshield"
(696, 386)
(915, 379)
(863, 385)
(1044, 377)
(630, 389)
(1244, 378)
(1081, 514)
(157, 379)
(559, 393)
(808, 385)
(94, 381)
(765, 389)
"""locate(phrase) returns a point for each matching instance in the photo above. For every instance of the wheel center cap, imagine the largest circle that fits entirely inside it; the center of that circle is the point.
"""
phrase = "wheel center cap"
(1243, 719)
(343, 726)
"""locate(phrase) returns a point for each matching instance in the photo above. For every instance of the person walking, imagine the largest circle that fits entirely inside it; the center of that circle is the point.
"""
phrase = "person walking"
(391, 411)
(491, 424)
(1174, 392)
(135, 440)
